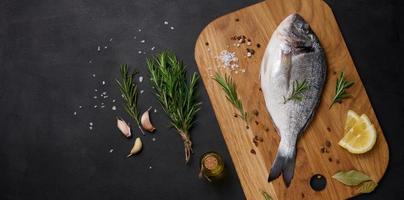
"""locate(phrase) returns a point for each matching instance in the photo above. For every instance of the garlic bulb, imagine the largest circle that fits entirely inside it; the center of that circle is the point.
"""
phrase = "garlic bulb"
(123, 127)
(137, 147)
(146, 123)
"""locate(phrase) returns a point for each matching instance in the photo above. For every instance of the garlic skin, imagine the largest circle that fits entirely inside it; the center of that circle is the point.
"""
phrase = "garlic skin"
(123, 127)
(146, 123)
(137, 147)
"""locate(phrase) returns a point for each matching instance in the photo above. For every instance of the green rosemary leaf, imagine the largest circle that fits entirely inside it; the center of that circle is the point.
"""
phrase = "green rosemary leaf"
(266, 195)
(130, 93)
(177, 95)
(229, 88)
(340, 89)
(298, 89)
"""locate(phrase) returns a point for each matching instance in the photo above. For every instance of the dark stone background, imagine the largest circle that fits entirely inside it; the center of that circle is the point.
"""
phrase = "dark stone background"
(45, 47)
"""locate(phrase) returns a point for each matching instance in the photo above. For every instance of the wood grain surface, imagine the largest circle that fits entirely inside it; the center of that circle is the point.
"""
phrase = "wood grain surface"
(253, 161)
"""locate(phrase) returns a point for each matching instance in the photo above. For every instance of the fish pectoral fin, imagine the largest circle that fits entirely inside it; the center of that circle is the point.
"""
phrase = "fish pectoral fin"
(281, 71)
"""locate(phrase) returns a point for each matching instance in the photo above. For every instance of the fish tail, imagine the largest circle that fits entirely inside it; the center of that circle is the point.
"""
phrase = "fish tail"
(284, 164)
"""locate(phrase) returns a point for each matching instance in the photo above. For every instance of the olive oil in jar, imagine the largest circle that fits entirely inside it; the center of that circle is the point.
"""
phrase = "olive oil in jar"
(212, 166)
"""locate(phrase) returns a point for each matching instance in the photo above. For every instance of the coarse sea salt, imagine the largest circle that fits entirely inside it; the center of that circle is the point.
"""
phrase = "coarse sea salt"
(103, 82)
(153, 48)
(75, 113)
(139, 52)
(165, 22)
(142, 41)
(228, 59)
(140, 79)
(113, 107)
(172, 27)
(141, 91)
(111, 150)
(93, 75)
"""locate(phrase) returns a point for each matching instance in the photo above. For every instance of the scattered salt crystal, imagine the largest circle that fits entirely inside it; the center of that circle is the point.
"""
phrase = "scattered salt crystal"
(134, 37)
(103, 82)
(90, 61)
(91, 128)
(153, 139)
(243, 70)
(140, 30)
(111, 150)
(141, 91)
(249, 43)
(103, 106)
(238, 45)
(94, 97)
(165, 22)
(110, 39)
(91, 123)
(98, 48)
(142, 41)
(208, 49)
(75, 113)
(123, 96)
(140, 79)
(153, 48)
(106, 47)
(249, 54)
(172, 27)
(102, 103)
(150, 167)
(80, 107)
(113, 107)
(95, 106)
(139, 52)
(104, 93)
(93, 75)
(113, 100)
(155, 110)
(105, 96)
(144, 52)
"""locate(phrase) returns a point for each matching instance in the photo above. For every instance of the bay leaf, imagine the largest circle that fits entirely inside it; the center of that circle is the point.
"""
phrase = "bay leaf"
(367, 187)
(351, 177)
(266, 195)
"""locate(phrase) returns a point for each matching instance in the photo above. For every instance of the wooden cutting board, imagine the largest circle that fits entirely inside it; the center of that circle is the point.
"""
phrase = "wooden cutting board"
(252, 162)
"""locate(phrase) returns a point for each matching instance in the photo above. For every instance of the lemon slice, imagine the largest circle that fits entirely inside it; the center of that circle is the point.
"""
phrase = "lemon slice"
(361, 137)
(351, 120)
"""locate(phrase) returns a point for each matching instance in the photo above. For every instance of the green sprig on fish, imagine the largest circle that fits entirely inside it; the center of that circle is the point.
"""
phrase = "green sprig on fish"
(298, 89)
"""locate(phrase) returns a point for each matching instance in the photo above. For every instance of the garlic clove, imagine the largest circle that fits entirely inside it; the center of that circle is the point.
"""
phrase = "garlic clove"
(146, 123)
(137, 147)
(123, 127)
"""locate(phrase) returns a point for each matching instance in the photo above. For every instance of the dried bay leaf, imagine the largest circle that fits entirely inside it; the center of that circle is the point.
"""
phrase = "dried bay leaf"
(351, 177)
(367, 187)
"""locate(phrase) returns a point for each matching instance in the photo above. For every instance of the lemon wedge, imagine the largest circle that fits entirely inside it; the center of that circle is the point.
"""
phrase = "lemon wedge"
(360, 134)
(351, 120)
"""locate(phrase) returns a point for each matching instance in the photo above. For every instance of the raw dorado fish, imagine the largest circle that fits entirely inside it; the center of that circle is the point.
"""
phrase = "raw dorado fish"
(293, 54)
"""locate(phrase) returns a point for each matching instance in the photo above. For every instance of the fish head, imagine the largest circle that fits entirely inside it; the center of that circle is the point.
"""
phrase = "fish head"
(297, 36)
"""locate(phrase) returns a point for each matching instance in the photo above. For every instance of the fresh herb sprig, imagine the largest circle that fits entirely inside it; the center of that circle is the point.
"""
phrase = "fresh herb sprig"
(298, 89)
(177, 96)
(341, 86)
(229, 87)
(130, 93)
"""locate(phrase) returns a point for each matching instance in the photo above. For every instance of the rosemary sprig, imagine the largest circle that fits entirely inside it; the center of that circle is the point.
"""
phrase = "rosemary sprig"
(229, 87)
(177, 96)
(341, 86)
(298, 89)
(130, 94)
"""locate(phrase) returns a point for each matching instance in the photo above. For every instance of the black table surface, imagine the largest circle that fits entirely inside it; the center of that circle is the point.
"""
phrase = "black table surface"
(50, 66)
